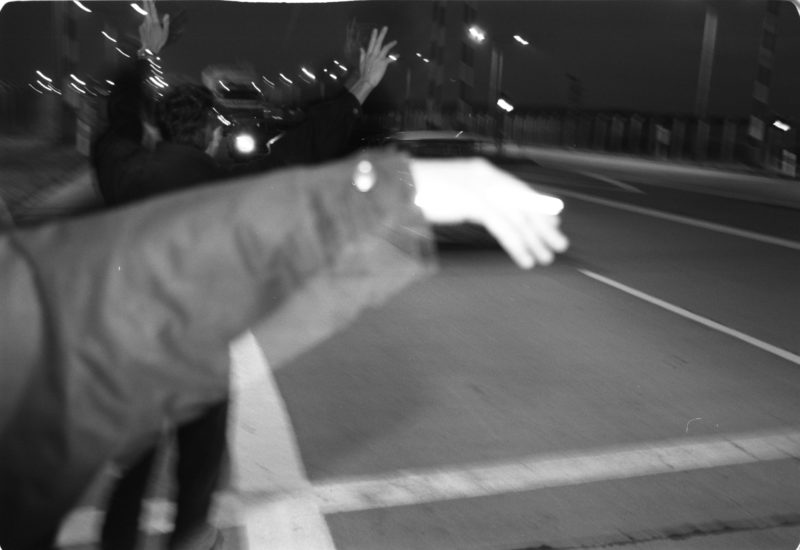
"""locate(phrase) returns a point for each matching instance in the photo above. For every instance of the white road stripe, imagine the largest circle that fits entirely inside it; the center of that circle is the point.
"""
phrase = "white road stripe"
(275, 500)
(794, 245)
(539, 472)
(612, 181)
(769, 348)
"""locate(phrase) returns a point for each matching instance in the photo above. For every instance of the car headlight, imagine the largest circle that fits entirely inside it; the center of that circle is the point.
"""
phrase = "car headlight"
(244, 144)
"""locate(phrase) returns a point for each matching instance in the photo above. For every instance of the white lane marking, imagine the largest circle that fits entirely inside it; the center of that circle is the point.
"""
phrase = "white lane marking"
(612, 181)
(539, 472)
(276, 503)
(685, 220)
(270, 497)
(529, 473)
(769, 348)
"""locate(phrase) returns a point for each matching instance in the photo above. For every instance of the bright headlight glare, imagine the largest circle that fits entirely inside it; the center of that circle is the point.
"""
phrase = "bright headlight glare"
(245, 143)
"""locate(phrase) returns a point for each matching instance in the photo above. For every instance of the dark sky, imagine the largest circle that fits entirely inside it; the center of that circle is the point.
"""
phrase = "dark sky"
(629, 54)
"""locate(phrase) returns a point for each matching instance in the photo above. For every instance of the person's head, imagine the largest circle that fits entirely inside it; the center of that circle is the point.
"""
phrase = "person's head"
(184, 115)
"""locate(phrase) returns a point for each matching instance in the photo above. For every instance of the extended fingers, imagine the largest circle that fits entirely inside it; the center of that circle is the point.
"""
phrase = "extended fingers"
(388, 47)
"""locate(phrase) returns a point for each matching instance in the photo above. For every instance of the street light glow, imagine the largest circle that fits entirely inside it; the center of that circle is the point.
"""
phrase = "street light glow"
(333, 76)
(138, 9)
(44, 76)
(81, 6)
(78, 80)
(104, 33)
(35, 89)
(505, 105)
(477, 34)
(285, 78)
(256, 87)
(394, 57)
(521, 40)
(308, 73)
(780, 125)
(221, 83)
(123, 53)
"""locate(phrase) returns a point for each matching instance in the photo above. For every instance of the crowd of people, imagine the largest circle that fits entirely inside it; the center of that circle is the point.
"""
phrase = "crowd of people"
(118, 323)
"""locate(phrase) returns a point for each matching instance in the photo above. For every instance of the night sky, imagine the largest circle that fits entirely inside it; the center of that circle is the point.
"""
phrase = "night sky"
(629, 55)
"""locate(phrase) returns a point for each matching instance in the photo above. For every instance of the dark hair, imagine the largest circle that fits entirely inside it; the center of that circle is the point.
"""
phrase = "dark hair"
(183, 113)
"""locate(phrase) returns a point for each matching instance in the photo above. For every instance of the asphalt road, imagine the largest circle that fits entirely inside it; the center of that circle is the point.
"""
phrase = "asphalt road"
(641, 392)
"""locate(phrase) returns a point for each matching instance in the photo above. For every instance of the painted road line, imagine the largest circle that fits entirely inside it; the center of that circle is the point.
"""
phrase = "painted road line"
(276, 505)
(611, 181)
(406, 488)
(540, 472)
(760, 237)
(271, 497)
(769, 348)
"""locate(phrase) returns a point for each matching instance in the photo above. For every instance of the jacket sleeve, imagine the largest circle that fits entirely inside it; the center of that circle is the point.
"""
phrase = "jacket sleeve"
(121, 320)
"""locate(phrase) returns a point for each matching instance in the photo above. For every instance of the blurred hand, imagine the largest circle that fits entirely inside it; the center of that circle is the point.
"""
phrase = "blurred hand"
(524, 222)
(372, 64)
(153, 34)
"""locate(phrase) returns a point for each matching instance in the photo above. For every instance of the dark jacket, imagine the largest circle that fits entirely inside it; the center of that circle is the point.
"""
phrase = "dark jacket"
(128, 171)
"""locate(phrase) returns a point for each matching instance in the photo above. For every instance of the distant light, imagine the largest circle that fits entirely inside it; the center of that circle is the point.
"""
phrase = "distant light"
(268, 81)
(74, 86)
(221, 83)
(81, 6)
(333, 76)
(394, 57)
(308, 73)
(287, 80)
(342, 67)
(426, 60)
(521, 40)
(104, 33)
(78, 80)
(245, 144)
(35, 89)
(780, 125)
(123, 53)
(477, 34)
(256, 87)
(419, 55)
(42, 84)
(138, 9)
(47, 78)
(505, 105)
(110, 82)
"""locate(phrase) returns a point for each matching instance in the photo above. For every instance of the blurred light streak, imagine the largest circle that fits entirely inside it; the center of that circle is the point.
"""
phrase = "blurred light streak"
(77, 88)
(285, 78)
(394, 57)
(224, 120)
(35, 89)
(308, 73)
(521, 40)
(268, 81)
(47, 78)
(81, 6)
(138, 9)
(426, 60)
(110, 82)
(123, 53)
(221, 83)
(256, 87)
(477, 34)
(505, 105)
(104, 33)
(333, 76)
(78, 80)
(780, 125)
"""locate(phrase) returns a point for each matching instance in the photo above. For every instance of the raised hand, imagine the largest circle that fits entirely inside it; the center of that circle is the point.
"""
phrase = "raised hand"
(524, 222)
(374, 60)
(153, 33)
